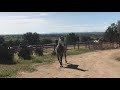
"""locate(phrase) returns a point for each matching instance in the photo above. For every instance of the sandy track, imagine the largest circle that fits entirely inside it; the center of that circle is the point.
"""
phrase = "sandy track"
(99, 64)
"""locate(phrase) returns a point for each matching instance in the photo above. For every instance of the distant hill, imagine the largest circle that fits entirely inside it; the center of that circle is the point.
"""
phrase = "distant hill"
(54, 35)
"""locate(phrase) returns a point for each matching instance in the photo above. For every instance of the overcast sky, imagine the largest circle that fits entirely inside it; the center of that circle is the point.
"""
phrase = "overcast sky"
(49, 22)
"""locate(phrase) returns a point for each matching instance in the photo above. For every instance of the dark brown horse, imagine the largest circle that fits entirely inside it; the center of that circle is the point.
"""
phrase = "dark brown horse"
(61, 50)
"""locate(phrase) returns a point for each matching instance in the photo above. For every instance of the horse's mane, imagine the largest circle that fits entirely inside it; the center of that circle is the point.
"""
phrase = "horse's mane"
(61, 41)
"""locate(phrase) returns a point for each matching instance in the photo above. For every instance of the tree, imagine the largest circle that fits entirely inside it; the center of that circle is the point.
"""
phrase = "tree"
(118, 26)
(31, 38)
(46, 41)
(85, 38)
(112, 33)
(16, 42)
(10, 42)
(1, 40)
(72, 38)
(6, 56)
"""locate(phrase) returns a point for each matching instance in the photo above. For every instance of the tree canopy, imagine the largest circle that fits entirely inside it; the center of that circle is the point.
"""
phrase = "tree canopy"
(31, 38)
(72, 38)
(112, 33)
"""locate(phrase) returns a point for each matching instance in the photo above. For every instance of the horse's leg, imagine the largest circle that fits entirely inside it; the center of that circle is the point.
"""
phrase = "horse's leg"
(61, 60)
(58, 59)
(65, 54)
(65, 57)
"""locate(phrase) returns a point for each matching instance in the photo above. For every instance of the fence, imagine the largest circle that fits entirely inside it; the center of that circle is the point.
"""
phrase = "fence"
(90, 45)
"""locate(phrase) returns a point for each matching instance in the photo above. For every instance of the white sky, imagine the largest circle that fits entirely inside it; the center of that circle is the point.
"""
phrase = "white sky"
(48, 22)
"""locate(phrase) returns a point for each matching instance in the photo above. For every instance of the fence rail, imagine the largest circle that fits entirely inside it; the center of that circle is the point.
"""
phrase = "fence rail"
(89, 45)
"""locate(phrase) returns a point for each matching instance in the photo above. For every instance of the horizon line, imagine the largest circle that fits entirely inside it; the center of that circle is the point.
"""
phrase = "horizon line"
(54, 33)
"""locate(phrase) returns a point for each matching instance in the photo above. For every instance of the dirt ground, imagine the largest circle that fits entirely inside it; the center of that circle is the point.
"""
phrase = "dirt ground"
(99, 64)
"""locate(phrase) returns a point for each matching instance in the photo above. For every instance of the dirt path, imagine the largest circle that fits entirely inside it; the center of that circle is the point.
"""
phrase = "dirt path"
(99, 64)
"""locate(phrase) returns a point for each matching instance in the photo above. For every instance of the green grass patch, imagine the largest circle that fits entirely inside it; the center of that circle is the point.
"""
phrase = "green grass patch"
(11, 70)
(76, 51)
(43, 59)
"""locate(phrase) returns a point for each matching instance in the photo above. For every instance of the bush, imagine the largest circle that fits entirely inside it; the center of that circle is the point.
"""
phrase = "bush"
(25, 53)
(2, 40)
(39, 51)
(6, 56)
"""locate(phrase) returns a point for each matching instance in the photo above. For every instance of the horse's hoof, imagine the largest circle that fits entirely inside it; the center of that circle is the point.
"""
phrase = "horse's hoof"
(61, 66)
(67, 63)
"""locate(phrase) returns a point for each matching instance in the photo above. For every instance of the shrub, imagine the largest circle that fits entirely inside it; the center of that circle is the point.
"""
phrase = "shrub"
(2, 40)
(6, 56)
(25, 53)
(39, 51)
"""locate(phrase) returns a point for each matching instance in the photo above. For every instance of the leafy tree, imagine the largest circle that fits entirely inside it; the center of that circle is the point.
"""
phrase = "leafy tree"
(85, 38)
(16, 42)
(6, 56)
(72, 38)
(46, 41)
(31, 38)
(1, 40)
(112, 33)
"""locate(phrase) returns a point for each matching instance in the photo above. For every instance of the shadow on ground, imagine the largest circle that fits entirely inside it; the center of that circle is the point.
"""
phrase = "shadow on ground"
(74, 66)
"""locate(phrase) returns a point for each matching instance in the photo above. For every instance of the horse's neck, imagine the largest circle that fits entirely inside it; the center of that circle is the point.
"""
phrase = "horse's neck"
(61, 42)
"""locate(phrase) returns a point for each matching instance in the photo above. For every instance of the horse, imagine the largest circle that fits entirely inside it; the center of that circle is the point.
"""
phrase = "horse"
(61, 50)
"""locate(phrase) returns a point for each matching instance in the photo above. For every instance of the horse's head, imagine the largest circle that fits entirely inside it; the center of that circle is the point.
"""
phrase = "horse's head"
(61, 38)
(61, 41)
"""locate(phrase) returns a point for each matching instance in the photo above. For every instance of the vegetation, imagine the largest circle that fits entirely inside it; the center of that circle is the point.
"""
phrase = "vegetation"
(76, 51)
(112, 34)
(72, 38)
(85, 38)
(53, 36)
(13, 43)
(39, 51)
(29, 65)
(31, 38)
(6, 56)
(25, 53)
(53, 53)
(46, 41)
(1, 40)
